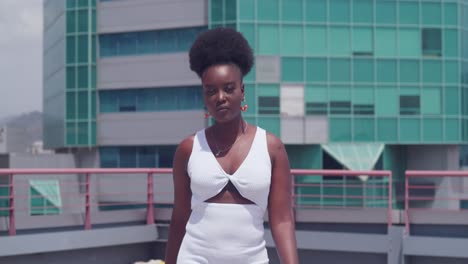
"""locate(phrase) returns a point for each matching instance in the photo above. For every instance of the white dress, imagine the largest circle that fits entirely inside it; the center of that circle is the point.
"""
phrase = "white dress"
(220, 233)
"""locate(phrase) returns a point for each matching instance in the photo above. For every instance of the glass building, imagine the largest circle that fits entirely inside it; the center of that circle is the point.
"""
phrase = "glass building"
(345, 84)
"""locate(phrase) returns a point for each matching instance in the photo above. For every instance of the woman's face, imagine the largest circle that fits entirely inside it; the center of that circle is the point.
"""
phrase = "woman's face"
(223, 91)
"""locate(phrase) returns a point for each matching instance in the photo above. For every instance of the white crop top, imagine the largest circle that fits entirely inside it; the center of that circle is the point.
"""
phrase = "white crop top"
(252, 178)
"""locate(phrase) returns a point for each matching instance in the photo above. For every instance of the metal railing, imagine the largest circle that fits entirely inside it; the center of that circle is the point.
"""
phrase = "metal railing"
(435, 194)
(90, 193)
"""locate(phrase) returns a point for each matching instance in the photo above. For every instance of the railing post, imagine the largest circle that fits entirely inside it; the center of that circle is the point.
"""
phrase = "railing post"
(87, 203)
(12, 229)
(390, 199)
(407, 224)
(150, 202)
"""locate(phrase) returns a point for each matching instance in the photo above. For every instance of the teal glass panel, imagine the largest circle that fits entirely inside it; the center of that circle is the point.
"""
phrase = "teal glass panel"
(340, 129)
(230, 10)
(83, 133)
(83, 21)
(340, 41)
(386, 101)
(363, 70)
(339, 11)
(409, 71)
(410, 130)
(71, 133)
(93, 49)
(340, 93)
(364, 129)
(385, 12)
(83, 105)
(250, 77)
(267, 10)
(250, 95)
(292, 42)
(93, 77)
(431, 13)
(431, 42)
(71, 77)
(452, 72)
(82, 77)
(71, 4)
(409, 42)
(340, 70)
(216, 10)
(386, 71)
(385, 42)
(292, 69)
(248, 30)
(268, 39)
(410, 90)
(109, 157)
(432, 71)
(83, 49)
(316, 70)
(363, 11)
(93, 21)
(71, 21)
(93, 104)
(246, 10)
(268, 90)
(316, 40)
(83, 3)
(71, 49)
(432, 130)
(387, 129)
(291, 10)
(71, 105)
(408, 13)
(316, 93)
(316, 11)
(452, 130)
(271, 124)
(363, 41)
(452, 100)
(128, 157)
(451, 43)
(431, 101)
(363, 95)
(450, 14)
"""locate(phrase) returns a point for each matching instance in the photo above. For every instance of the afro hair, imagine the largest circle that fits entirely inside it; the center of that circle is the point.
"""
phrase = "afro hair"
(220, 46)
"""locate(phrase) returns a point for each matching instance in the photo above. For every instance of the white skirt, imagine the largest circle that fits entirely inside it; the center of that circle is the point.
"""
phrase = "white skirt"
(219, 233)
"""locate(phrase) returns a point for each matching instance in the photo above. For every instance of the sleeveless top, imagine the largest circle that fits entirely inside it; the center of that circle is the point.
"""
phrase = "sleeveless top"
(252, 178)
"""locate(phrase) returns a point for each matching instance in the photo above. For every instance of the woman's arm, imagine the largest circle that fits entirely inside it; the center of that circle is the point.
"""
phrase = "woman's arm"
(182, 195)
(279, 203)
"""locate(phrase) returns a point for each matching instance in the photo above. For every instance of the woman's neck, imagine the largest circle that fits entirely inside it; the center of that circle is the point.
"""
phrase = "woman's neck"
(229, 130)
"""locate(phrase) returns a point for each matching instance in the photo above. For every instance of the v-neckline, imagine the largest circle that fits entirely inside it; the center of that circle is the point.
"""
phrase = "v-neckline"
(243, 161)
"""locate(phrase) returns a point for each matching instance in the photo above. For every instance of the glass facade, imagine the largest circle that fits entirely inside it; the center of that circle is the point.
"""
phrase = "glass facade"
(80, 114)
(137, 156)
(148, 42)
(386, 71)
(151, 99)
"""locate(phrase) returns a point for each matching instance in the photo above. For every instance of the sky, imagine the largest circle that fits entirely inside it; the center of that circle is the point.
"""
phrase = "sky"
(20, 56)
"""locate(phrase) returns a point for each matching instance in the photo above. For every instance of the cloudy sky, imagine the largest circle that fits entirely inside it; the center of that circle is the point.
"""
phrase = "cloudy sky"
(20, 56)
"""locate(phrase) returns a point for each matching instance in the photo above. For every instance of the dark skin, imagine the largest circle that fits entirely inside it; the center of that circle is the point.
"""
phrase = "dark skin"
(223, 92)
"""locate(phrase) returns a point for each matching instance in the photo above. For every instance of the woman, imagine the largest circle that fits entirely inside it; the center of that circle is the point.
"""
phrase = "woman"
(226, 176)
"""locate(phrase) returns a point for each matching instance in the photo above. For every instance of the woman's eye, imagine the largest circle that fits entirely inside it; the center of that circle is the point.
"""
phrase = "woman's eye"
(229, 88)
(210, 92)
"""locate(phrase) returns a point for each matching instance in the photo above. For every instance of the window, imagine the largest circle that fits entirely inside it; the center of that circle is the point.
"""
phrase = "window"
(147, 42)
(363, 109)
(268, 105)
(45, 198)
(340, 107)
(431, 42)
(409, 105)
(316, 108)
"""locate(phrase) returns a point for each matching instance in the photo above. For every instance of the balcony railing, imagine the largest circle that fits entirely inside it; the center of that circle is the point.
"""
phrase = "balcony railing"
(52, 198)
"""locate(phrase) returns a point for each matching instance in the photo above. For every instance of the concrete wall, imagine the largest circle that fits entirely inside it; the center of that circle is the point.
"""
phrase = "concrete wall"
(145, 71)
(137, 15)
(147, 128)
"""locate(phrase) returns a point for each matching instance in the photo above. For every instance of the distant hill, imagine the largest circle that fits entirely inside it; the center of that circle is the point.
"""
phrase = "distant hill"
(30, 123)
